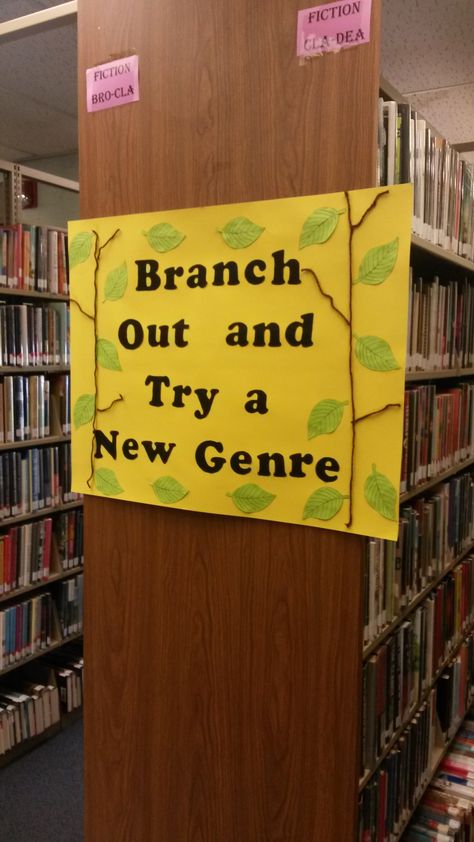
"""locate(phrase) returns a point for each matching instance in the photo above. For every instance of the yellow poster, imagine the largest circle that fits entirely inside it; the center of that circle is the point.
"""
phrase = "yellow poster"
(245, 359)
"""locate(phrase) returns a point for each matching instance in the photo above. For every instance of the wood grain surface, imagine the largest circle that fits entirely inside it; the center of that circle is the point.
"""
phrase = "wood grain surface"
(223, 654)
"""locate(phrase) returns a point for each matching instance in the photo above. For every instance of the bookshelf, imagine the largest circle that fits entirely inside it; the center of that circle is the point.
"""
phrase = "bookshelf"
(54, 577)
(18, 445)
(436, 591)
(439, 754)
(28, 745)
(405, 612)
(436, 374)
(49, 510)
(33, 295)
(41, 552)
(41, 653)
(34, 369)
(443, 255)
(414, 710)
(425, 486)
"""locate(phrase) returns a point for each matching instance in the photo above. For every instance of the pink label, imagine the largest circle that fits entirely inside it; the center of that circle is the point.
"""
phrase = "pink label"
(111, 84)
(334, 26)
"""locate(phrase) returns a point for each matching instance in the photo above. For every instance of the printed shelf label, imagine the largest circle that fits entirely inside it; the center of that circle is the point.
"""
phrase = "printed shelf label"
(332, 27)
(112, 84)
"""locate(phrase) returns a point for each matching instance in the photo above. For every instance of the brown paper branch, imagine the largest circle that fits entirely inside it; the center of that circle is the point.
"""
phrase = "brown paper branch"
(97, 253)
(353, 226)
(378, 411)
(327, 295)
(88, 315)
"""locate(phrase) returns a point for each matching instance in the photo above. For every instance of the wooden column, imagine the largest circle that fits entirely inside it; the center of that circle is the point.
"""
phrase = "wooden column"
(223, 654)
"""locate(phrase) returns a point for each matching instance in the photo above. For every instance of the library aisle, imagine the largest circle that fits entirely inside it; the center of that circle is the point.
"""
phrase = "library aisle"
(41, 793)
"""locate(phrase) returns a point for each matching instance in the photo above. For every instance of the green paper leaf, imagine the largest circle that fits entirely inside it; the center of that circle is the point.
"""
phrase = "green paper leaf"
(375, 353)
(324, 504)
(325, 417)
(80, 248)
(381, 495)
(378, 263)
(251, 498)
(107, 355)
(83, 410)
(164, 237)
(106, 482)
(319, 226)
(116, 283)
(169, 490)
(241, 232)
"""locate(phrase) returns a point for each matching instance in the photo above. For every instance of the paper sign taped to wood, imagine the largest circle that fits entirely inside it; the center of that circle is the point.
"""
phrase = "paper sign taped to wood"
(333, 26)
(246, 359)
(112, 84)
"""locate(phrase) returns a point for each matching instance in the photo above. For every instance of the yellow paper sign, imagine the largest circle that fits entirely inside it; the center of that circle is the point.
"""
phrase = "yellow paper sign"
(245, 359)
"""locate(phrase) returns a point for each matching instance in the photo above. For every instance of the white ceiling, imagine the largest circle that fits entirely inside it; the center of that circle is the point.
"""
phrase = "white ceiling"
(427, 54)
(38, 93)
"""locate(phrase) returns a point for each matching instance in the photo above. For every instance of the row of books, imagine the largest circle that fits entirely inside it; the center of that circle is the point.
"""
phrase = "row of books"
(68, 666)
(33, 697)
(34, 334)
(27, 709)
(34, 407)
(60, 404)
(401, 670)
(434, 530)
(33, 257)
(446, 810)
(438, 431)
(68, 538)
(34, 479)
(443, 184)
(390, 795)
(387, 801)
(31, 552)
(25, 555)
(440, 324)
(69, 604)
(25, 628)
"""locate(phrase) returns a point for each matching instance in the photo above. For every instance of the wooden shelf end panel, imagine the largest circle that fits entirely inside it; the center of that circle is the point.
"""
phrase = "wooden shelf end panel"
(238, 640)
(224, 636)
